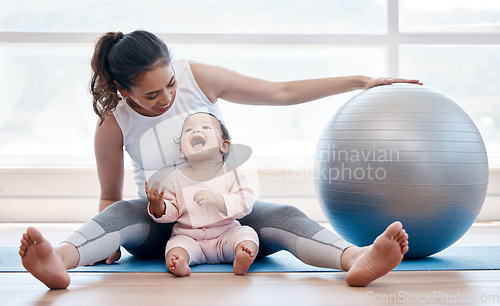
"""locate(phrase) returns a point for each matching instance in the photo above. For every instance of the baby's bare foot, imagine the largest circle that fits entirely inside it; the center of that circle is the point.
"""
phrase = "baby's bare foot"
(178, 265)
(244, 258)
(380, 258)
(39, 258)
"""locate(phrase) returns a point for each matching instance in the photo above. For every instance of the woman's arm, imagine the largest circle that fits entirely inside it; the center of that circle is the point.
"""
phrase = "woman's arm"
(108, 146)
(218, 82)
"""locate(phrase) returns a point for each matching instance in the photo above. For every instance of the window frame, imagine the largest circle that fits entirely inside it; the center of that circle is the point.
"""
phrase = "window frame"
(391, 41)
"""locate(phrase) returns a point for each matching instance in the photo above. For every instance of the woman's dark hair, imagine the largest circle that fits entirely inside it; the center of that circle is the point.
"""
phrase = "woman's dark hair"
(122, 59)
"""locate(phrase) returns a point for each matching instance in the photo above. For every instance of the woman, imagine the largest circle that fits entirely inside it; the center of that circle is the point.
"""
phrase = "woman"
(142, 98)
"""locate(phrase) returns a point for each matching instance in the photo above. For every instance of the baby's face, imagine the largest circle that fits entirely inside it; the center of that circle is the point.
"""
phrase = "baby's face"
(201, 133)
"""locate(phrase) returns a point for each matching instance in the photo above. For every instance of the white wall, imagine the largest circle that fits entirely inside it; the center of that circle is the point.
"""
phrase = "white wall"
(71, 195)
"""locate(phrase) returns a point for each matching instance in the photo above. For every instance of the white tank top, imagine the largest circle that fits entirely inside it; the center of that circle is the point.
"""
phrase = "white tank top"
(151, 141)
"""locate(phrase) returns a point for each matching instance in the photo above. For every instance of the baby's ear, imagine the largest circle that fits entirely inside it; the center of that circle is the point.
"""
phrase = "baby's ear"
(183, 156)
(224, 147)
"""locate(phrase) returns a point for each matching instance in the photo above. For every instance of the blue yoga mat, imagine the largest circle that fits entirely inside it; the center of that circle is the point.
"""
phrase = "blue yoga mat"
(453, 258)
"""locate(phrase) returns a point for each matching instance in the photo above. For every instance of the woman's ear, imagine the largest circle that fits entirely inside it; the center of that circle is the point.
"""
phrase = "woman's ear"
(225, 145)
(123, 92)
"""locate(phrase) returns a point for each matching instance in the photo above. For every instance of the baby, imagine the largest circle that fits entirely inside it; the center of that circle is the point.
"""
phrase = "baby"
(205, 198)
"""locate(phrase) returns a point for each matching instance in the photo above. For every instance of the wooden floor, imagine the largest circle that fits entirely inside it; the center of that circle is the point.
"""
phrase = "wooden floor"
(427, 288)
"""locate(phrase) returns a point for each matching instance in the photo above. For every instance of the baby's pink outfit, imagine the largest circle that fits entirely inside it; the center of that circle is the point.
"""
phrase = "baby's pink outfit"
(208, 235)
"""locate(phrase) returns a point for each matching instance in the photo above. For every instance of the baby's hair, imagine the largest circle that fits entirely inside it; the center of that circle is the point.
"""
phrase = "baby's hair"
(225, 132)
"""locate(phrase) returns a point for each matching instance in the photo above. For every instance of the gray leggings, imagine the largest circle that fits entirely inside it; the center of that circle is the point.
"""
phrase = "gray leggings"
(280, 227)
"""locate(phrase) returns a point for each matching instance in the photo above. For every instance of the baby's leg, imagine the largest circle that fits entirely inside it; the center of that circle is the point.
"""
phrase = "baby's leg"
(181, 252)
(240, 245)
(246, 251)
(177, 261)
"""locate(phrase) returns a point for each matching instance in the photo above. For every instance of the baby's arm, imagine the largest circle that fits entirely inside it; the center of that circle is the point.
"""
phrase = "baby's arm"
(206, 198)
(155, 197)
(239, 201)
(235, 202)
(162, 205)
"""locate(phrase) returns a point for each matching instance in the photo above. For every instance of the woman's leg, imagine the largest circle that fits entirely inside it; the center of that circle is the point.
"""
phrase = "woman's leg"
(124, 223)
(46, 263)
(285, 227)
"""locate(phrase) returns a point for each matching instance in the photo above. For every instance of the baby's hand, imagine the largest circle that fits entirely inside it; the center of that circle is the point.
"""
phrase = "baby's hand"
(154, 195)
(205, 198)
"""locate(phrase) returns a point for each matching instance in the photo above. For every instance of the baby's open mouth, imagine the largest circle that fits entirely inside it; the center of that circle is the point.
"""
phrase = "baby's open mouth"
(197, 142)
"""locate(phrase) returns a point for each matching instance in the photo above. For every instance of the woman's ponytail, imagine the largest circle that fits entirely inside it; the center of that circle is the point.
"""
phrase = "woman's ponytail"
(122, 59)
(104, 91)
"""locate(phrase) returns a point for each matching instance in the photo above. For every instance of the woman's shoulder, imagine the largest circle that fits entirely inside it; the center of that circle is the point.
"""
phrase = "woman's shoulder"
(207, 77)
(199, 68)
(109, 125)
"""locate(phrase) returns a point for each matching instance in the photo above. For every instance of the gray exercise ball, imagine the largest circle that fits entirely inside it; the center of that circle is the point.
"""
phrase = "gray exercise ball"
(401, 152)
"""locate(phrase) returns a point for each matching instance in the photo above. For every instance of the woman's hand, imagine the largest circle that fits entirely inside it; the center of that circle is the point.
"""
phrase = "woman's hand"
(372, 82)
(111, 259)
(114, 257)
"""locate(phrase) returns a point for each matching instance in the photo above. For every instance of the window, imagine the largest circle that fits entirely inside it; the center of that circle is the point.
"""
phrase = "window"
(458, 54)
(196, 16)
(468, 74)
(428, 16)
(45, 49)
(46, 118)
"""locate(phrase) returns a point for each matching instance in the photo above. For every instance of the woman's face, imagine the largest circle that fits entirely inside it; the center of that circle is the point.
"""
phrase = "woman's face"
(154, 93)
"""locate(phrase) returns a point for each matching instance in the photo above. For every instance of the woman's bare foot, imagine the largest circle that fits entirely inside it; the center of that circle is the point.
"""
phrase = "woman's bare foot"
(178, 265)
(245, 255)
(40, 259)
(380, 258)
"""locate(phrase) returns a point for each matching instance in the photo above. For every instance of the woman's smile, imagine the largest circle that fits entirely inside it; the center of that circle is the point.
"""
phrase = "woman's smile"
(155, 93)
(162, 108)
